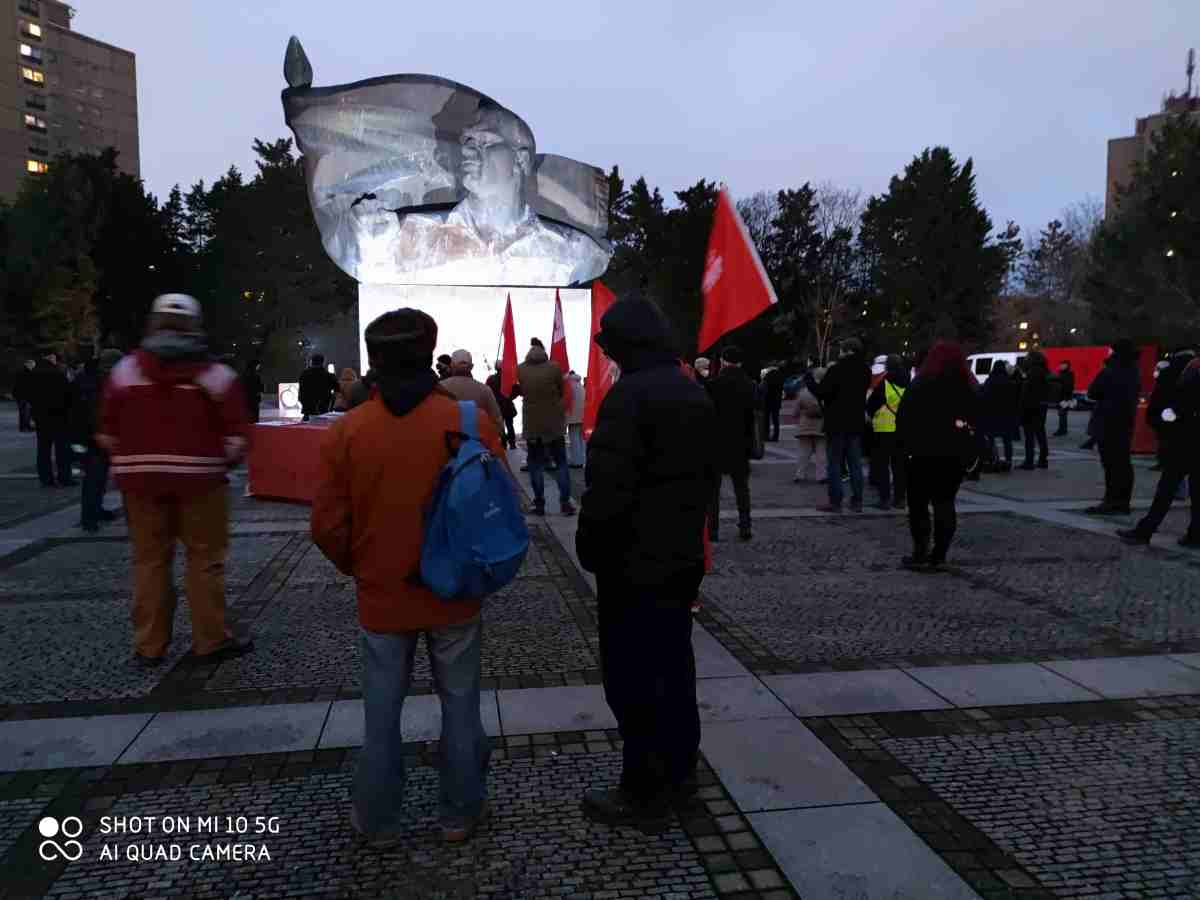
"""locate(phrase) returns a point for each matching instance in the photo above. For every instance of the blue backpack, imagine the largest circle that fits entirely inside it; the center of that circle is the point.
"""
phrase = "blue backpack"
(475, 534)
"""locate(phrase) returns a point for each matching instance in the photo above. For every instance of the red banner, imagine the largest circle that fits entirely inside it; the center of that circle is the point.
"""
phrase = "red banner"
(602, 372)
(735, 286)
(508, 352)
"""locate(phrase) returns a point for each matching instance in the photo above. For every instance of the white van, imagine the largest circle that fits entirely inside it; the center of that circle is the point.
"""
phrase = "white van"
(981, 363)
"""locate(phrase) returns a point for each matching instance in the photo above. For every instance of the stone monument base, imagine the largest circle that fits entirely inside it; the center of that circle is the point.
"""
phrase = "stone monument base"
(471, 318)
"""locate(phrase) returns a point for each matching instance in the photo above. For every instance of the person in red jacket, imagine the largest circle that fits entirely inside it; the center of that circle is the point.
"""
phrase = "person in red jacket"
(174, 421)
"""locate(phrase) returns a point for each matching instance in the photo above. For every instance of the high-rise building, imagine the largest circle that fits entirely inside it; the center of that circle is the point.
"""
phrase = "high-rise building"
(67, 92)
(1124, 153)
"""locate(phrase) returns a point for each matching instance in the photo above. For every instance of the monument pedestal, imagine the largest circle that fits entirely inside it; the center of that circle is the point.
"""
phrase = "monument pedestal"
(471, 318)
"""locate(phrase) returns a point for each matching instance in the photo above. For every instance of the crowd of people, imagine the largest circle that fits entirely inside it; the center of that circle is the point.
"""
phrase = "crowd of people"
(171, 422)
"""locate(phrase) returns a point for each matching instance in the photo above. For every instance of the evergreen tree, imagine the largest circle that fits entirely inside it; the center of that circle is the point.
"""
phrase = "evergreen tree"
(934, 267)
(1143, 280)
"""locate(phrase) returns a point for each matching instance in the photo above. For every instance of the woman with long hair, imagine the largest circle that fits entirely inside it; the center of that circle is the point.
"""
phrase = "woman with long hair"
(935, 427)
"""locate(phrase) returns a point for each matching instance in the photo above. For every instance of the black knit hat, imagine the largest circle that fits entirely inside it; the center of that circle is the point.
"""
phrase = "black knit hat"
(402, 338)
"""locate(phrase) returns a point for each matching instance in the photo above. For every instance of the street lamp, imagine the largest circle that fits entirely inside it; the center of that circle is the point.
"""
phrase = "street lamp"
(1024, 326)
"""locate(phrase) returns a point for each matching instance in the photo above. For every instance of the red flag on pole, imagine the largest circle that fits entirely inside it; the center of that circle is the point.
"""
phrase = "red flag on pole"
(508, 353)
(558, 337)
(735, 286)
(558, 349)
(601, 372)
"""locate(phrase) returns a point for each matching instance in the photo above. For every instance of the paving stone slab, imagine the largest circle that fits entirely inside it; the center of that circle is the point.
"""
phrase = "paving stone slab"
(852, 693)
(537, 710)
(860, 851)
(778, 764)
(712, 659)
(67, 743)
(421, 720)
(1130, 676)
(737, 699)
(196, 734)
(1001, 684)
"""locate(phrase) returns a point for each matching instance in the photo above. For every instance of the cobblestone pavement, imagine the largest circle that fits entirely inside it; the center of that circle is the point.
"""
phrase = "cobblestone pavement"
(1064, 800)
(1056, 799)
(828, 592)
(535, 845)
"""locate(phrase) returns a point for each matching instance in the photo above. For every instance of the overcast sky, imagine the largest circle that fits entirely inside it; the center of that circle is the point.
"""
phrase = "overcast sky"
(757, 93)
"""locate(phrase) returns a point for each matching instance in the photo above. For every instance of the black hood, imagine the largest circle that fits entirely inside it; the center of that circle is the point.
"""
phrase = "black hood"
(636, 335)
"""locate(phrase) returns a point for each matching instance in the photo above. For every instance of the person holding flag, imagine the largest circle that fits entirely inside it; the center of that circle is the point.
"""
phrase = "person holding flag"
(504, 382)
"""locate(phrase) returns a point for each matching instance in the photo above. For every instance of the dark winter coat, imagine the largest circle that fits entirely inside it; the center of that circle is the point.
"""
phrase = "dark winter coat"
(650, 467)
(22, 385)
(925, 424)
(1035, 391)
(1115, 393)
(86, 391)
(843, 394)
(998, 404)
(508, 409)
(317, 389)
(49, 395)
(1066, 385)
(733, 395)
(773, 387)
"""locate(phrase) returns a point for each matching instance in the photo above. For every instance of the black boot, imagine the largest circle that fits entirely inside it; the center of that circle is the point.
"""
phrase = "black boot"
(618, 807)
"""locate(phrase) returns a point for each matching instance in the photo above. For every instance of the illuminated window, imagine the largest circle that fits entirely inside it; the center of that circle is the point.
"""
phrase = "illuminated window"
(32, 76)
(36, 167)
(34, 123)
(31, 29)
(31, 53)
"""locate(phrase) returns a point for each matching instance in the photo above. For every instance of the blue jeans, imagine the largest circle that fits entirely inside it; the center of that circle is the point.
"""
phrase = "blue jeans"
(537, 468)
(454, 651)
(846, 447)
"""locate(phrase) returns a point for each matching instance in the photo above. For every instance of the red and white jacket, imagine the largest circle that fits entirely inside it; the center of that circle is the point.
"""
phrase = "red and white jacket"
(174, 427)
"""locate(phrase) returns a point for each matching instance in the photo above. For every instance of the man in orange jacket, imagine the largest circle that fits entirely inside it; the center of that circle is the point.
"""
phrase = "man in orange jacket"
(379, 466)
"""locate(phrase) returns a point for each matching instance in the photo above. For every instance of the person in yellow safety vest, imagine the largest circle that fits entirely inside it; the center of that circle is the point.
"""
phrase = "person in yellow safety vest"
(888, 463)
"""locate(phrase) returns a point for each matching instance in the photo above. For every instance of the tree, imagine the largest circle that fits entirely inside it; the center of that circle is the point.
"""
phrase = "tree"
(1143, 278)
(934, 266)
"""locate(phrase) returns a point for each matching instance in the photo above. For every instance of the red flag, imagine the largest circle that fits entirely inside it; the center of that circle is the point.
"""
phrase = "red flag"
(601, 372)
(558, 350)
(558, 337)
(508, 354)
(735, 286)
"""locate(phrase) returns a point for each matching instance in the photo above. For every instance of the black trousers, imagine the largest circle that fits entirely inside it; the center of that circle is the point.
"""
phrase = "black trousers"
(24, 416)
(1118, 473)
(649, 673)
(888, 465)
(741, 490)
(52, 436)
(1178, 464)
(773, 421)
(1063, 412)
(1035, 430)
(933, 481)
(510, 433)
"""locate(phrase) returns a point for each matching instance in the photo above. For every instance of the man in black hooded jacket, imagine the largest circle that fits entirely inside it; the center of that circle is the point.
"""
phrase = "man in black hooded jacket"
(650, 471)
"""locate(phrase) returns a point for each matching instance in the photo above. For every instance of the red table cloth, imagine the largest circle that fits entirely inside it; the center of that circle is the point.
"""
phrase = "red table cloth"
(283, 458)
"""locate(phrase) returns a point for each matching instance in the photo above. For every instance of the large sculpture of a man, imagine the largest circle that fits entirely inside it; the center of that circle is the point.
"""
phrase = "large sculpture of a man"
(383, 158)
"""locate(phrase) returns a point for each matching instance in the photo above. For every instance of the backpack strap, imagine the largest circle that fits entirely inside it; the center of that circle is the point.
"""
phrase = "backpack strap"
(468, 419)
